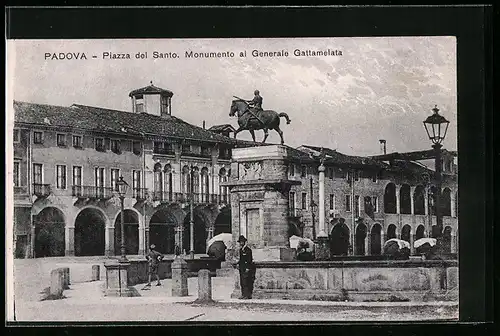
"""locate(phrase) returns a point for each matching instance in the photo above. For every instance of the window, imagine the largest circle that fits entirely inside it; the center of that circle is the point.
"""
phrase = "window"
(304, 201)
(77, 176)
(205, 151)
(357, 208)
(164, 104)
(347, 203)
(16, 135)
(38, 137)
(136, 147)
(16, 174)
(292, 202)
(61, 140)
(139, 104)
(115, 176)
(374, 177)
(330, 172)
(77, 141)
(332, 202)
(292, 170)
(303, 172)
(136, 182)
(37, 173)
(186, 148)
(375, 203)
(115, 146)
(99, 177)
(99, 144)
(61, 177)
(356, 175)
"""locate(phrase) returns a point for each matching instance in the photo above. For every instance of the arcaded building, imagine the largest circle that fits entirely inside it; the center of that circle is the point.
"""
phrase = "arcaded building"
(67, 161)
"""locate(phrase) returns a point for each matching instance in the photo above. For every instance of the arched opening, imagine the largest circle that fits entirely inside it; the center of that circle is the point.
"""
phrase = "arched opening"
(432, 200)
(375, 240)
(223, 221)
(49, 233)
(223, 189)
(186, 180)
(420, 233)
(162, 231)
(391, 231)
(390, 198)
(419, 200)
(446, 202)
(196, 183)
(200, 233)
(131, 226)
(405, 199)
(406, 233)
(360, 239)
(90, 227)
(447, 239)
(339, 239)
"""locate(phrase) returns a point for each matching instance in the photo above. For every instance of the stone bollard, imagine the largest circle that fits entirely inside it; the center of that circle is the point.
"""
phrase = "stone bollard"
(56, 283)
(66, 283)
(179, 277)
(204, 286)
(96, 272)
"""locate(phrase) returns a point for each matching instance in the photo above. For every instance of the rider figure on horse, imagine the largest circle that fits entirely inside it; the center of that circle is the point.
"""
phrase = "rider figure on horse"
(256, 103)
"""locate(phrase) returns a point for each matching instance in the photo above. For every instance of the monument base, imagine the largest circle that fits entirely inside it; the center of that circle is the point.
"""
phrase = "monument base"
(117, 280)
(271, 253)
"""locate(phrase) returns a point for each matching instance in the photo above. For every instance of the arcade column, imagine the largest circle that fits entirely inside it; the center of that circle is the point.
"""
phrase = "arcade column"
(69, 234)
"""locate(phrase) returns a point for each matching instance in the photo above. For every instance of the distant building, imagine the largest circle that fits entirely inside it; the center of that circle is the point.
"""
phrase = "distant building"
(225, 129)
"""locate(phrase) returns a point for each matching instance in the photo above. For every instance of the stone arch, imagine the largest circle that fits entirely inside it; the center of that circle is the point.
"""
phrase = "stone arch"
(376, 239)
(405, 199)
(162, 230)
(131, 224)
(420, 232)
(390, 198)
(446, 202)
(391, 232)
(90, 226)
(361, 233)
(168, 180)
(339, 238)
(196, 181)
(49, 225)
(419, 200)
(223, 221)
(406, 233)
(447, 239)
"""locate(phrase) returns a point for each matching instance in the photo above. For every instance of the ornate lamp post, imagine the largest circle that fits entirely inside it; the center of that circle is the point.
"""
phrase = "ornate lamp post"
(122, 191)
(436, 127)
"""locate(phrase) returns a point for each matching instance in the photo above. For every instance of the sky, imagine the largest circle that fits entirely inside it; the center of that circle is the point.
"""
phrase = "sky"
(379, 88)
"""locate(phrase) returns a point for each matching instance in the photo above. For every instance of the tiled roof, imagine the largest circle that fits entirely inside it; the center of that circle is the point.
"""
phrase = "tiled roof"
(413, 156)
(224, 127)
(150, 89)
(332, 156)
(107, 120)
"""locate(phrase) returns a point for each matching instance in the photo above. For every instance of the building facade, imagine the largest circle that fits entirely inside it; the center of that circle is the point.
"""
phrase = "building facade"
(67, 161)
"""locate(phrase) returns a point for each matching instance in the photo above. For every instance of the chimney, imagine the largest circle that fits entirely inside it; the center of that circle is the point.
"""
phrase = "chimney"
(383, 146)
(203, 124)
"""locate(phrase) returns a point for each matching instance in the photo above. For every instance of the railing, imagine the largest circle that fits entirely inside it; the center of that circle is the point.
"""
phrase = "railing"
(192, 154)
(140, 194)
(185, 197)
(294, 212)
(41, 190)
(163, 151)
(20, 190)
(92, 192)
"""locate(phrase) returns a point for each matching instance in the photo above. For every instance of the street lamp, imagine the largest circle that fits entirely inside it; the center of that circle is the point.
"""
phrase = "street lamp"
(122, 191)
(436, 127)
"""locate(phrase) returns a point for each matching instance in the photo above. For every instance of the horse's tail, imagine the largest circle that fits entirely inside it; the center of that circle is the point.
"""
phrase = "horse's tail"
(283, 114)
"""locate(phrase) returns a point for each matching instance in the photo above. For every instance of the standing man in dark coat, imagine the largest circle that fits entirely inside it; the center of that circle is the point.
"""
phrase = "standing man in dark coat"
(246, 268)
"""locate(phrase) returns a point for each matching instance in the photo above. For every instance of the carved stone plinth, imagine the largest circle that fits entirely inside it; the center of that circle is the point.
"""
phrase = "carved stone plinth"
(179, 277)
(117, 280)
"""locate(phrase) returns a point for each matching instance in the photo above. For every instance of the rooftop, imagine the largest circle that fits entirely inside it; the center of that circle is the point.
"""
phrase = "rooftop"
(150, 89)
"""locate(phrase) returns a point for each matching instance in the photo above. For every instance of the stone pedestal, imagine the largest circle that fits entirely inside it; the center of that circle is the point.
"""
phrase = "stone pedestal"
(179, 277)
(96, 272)
(204, 286)
(322, 248)
(117, 279)
(56, 283)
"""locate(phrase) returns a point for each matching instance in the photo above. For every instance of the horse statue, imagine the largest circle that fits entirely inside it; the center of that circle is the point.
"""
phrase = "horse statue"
(265, 120)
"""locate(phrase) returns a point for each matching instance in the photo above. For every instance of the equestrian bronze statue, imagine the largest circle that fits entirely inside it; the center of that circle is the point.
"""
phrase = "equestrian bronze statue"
(253, 119)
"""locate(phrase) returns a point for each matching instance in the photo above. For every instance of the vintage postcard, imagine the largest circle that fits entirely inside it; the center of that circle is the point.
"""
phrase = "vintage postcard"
(256, 179)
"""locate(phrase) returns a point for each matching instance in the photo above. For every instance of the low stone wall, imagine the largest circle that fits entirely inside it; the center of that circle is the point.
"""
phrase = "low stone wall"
(394, 280)
(138, 270)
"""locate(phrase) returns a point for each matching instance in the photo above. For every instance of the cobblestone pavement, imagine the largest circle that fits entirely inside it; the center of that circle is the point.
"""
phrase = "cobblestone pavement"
(85, 302)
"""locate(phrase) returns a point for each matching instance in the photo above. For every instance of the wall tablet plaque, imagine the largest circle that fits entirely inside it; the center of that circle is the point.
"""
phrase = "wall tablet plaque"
(250, 170)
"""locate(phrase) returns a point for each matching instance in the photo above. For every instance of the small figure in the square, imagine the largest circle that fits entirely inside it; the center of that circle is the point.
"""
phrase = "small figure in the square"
(246, 268)
(154, 258)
